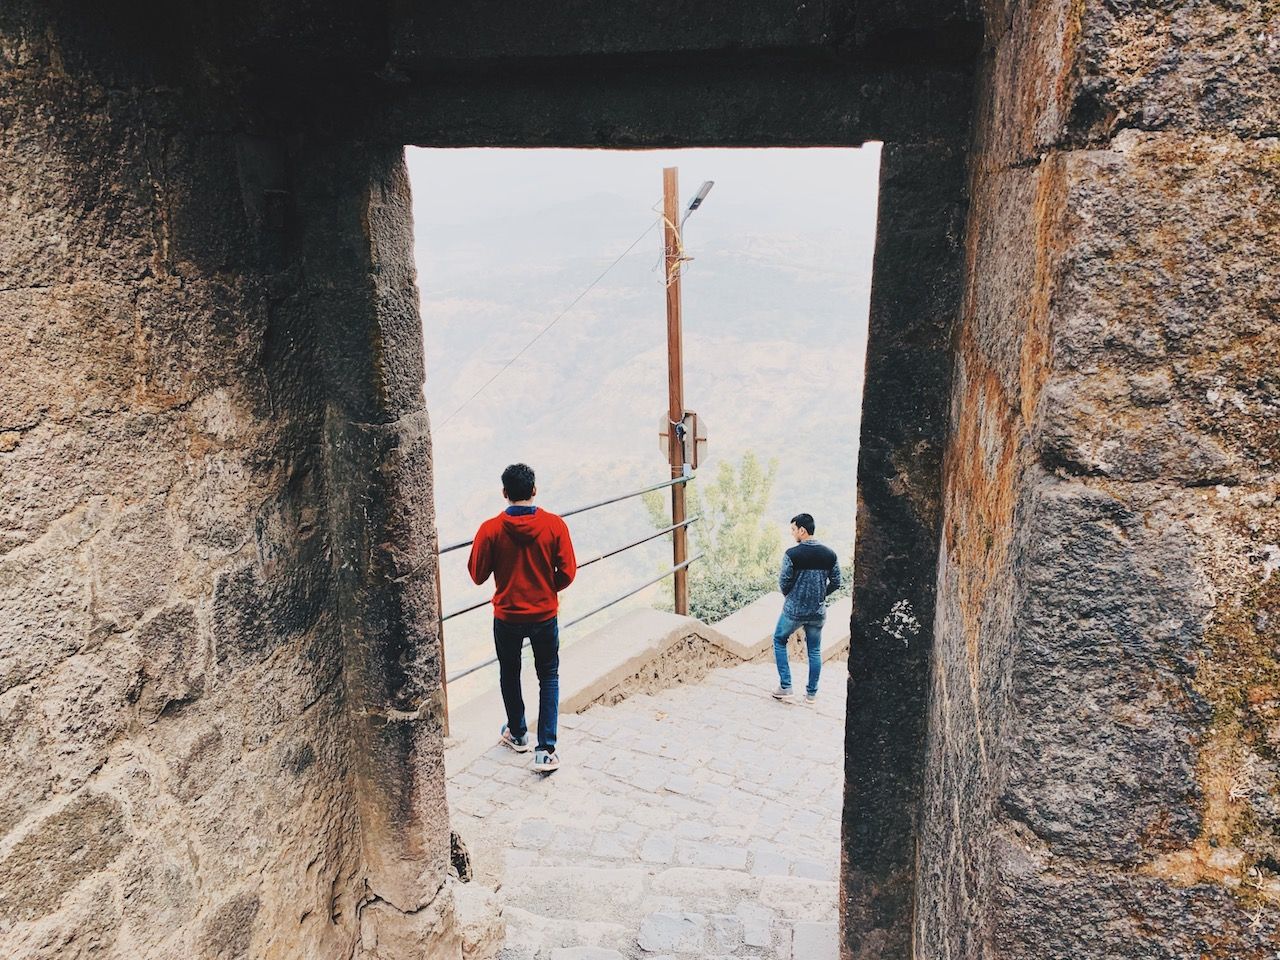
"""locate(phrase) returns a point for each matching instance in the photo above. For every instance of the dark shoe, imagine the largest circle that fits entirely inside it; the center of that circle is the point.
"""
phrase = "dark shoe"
(518, 744)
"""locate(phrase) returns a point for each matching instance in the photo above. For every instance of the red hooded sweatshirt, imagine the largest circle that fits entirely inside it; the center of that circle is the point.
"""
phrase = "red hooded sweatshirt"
(531, 558)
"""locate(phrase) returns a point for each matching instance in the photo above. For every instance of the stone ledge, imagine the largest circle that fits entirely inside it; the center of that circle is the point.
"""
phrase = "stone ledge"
(641, 652)
(750, 630)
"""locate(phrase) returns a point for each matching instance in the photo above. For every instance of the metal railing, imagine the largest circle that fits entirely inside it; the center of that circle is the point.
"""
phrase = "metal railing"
(590, 506)
(604, 606)
(604, 555)
(586, 563)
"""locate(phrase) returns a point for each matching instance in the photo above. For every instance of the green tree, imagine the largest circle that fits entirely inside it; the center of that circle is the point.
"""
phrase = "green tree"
(741, 547)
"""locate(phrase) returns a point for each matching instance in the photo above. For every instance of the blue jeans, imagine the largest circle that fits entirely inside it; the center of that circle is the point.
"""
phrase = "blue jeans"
(508, 641)
(813, 640)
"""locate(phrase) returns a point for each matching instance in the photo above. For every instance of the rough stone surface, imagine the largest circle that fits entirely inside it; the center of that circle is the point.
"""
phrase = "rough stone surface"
(480, 921)
(177, 698)
(915, 288)
(219, 676)
(1102, 714)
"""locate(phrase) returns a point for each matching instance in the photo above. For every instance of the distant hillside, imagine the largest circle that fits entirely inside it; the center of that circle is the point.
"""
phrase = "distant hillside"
(775, 312)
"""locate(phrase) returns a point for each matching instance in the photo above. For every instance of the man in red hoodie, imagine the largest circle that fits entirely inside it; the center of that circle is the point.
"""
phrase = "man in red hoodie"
(530, 555)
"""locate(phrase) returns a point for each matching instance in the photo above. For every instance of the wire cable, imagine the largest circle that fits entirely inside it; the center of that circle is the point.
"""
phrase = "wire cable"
(573, 303)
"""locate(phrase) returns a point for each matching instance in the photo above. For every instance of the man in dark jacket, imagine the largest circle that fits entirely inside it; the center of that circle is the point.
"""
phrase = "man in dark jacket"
(530, 555)
(810, 573)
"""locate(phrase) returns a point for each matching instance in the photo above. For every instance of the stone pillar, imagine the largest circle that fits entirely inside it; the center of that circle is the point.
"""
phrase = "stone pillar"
(175, 764)
(218, 728)
(364, 304)
(914, 301)
(1104, 719)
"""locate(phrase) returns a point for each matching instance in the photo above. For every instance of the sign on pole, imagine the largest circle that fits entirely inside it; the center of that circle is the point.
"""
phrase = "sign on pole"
(692, 432)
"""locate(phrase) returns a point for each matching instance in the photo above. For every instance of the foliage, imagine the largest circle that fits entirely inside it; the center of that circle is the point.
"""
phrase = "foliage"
(742, 549)
(846, 582)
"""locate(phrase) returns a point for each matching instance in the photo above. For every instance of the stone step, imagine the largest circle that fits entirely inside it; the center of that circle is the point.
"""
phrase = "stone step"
(697, 822)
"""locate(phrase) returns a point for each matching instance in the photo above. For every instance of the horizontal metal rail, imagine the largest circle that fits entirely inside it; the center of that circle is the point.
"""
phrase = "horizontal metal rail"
(590, 506)
(461, 610)
(585, 563)
(635, 543)
(648, 583)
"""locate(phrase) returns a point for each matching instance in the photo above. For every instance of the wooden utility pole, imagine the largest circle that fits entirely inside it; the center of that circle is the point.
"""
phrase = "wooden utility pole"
(675, 381)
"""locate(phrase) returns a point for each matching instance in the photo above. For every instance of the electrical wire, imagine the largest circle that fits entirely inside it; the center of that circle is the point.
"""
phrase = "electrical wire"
(573, 303)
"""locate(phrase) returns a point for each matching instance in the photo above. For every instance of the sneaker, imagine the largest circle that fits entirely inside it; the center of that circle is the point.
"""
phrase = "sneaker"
(518, 744)
(783, 693)
(810, 697)
(545, 762)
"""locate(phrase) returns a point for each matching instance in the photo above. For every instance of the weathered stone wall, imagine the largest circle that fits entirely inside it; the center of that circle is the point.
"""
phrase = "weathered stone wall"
(1105, 715)
(219, 720)
(914, 297)
(217, 731)
(363, 311)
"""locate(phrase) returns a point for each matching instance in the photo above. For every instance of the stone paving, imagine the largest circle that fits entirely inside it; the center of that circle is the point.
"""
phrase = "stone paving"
(701, 821)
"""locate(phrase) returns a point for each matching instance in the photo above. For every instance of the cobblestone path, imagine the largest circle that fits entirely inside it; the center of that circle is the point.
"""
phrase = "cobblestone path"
(702, 821)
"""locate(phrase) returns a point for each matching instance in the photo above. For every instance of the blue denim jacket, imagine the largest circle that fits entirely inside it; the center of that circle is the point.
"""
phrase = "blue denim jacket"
(810, 573)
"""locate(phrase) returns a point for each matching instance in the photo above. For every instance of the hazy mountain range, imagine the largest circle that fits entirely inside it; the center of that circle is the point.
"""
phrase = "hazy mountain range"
(775, 306)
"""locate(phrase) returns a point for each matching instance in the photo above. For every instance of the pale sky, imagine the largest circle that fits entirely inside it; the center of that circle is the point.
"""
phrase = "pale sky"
(775, 186)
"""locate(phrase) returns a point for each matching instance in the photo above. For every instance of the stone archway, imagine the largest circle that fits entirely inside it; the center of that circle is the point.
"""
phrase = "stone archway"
(218, 677)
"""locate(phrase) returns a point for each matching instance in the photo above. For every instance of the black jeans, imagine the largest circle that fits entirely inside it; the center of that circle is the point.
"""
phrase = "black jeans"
(508, 641)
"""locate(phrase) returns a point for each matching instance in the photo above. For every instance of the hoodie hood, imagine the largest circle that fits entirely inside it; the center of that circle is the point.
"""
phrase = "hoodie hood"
(523, 527)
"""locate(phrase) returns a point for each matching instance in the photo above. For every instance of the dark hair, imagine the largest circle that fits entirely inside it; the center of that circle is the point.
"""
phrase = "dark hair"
(517, 481)
(806, 521)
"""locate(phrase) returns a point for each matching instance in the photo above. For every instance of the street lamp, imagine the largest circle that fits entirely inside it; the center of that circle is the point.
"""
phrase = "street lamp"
(696, 202)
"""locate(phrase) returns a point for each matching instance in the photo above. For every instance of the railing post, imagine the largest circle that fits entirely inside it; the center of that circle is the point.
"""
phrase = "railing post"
(444, 670)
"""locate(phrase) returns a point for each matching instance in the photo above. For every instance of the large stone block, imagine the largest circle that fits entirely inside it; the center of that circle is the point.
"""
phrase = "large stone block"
(75, 346)
(25, 776)
(76, 471)
(1194, 66)
(229, 931)
(362, 298)
(283, 592)
(195, 339)
(1065, 73)
(424, 32)
(1104, 714)
(60, 728)
(171, 632)
(1117, 326)
(389, 934)
(160, 894)
(86, 927)
(1049, 908)
(915, 293)
(57, 853)
(45, 598)
(99, 213)
(1165, 329)
(134, 559)
(171, 648)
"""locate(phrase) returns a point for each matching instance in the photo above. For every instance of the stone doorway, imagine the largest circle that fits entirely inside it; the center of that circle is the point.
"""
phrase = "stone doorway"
(917, 264)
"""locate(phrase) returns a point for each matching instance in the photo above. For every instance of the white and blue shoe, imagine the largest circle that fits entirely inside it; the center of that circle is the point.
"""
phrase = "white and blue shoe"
(518, 744)
(545, 761)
